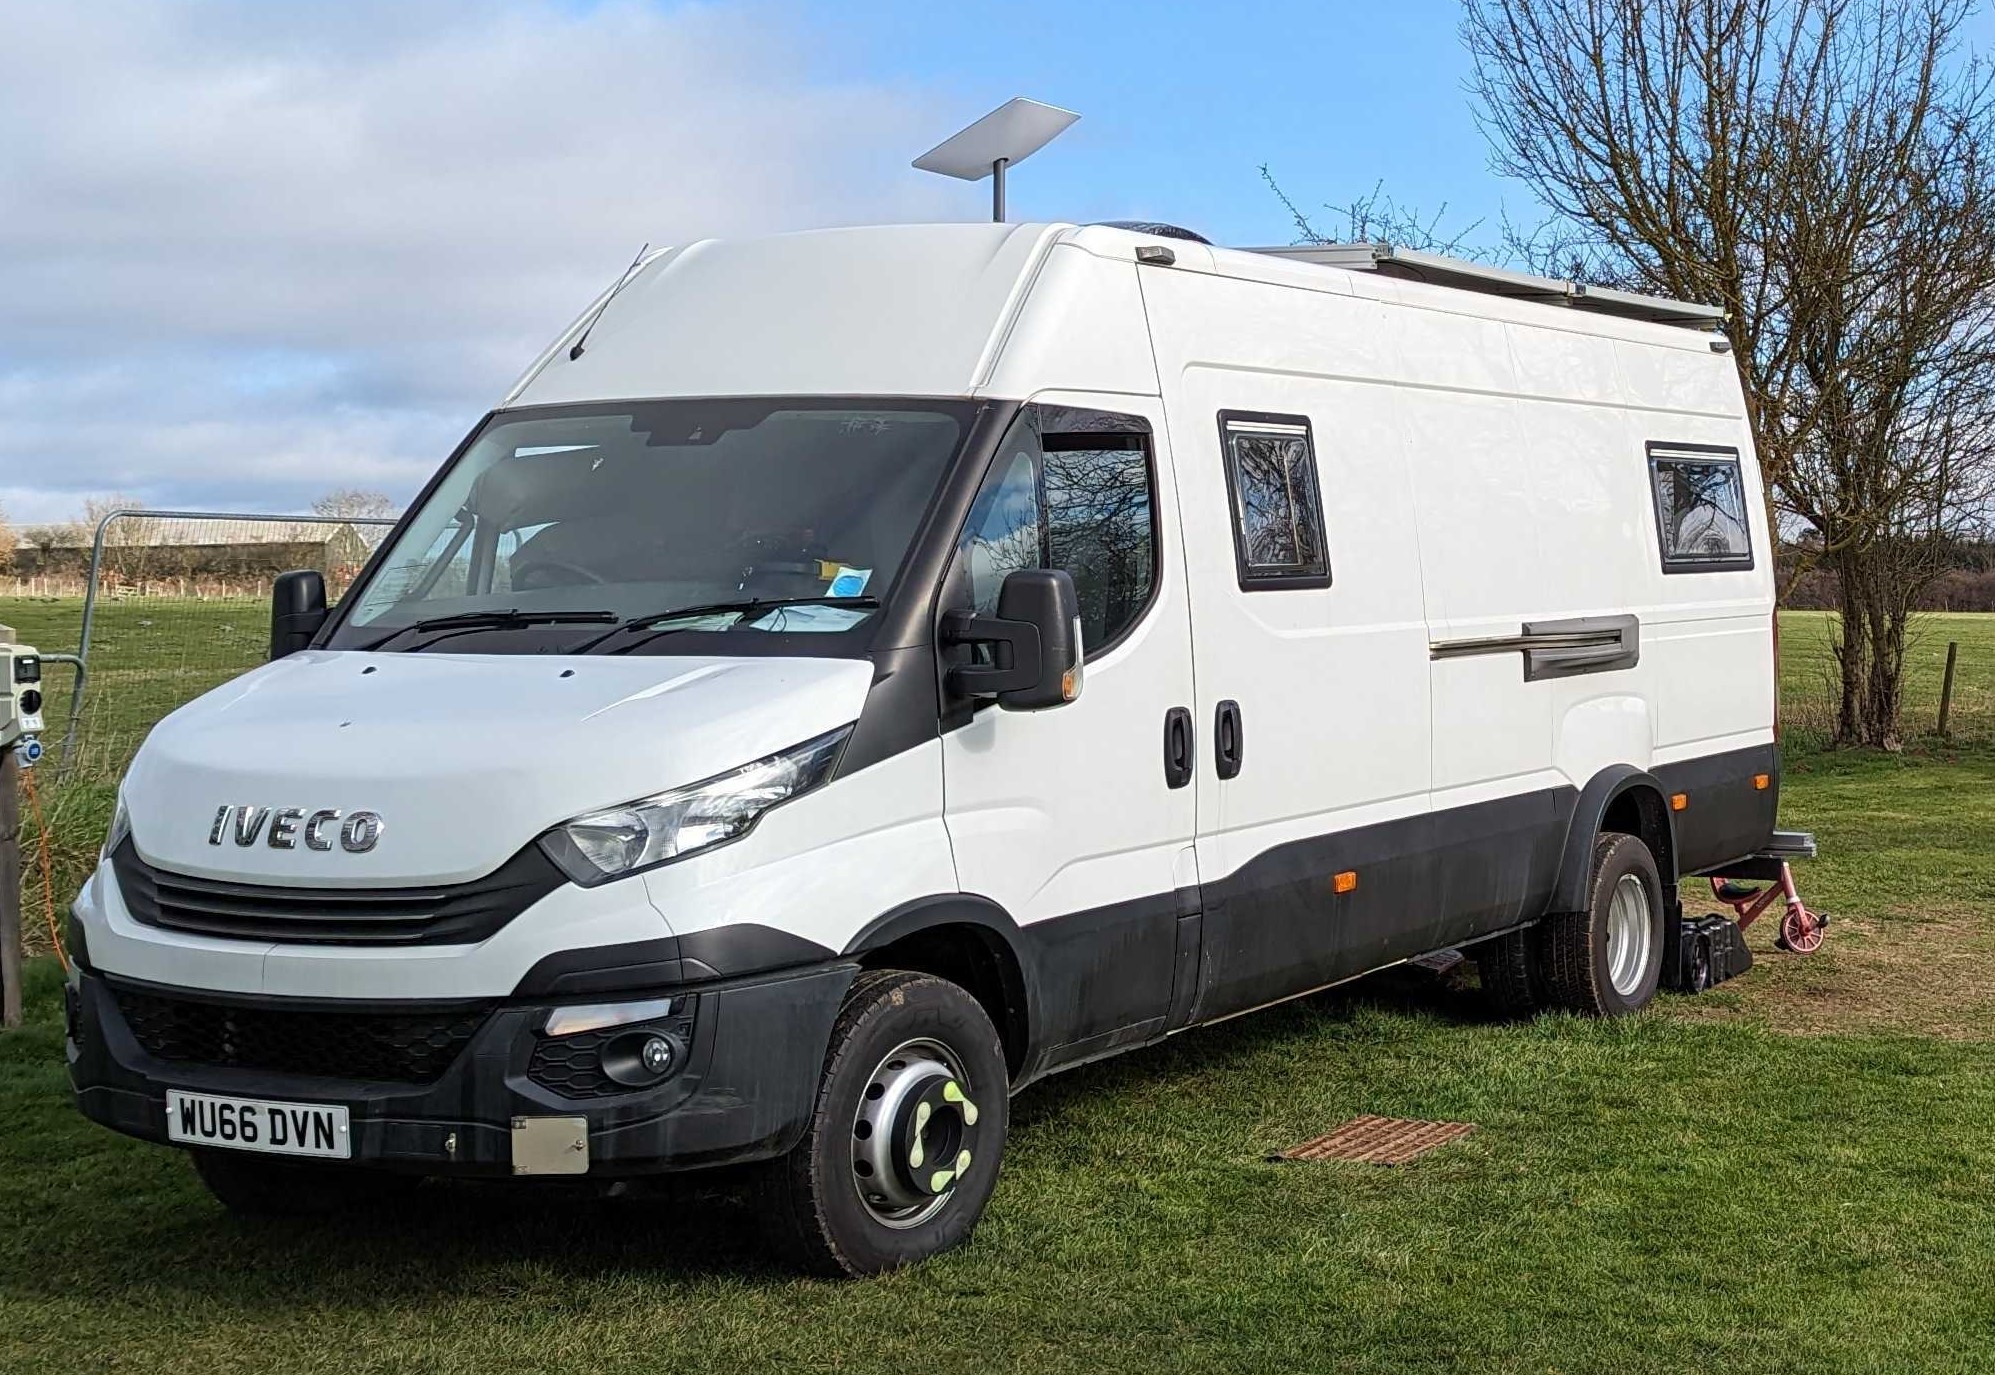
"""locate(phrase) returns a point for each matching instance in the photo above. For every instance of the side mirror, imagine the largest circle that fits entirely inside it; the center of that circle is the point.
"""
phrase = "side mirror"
(297, 610)
(1035, 641)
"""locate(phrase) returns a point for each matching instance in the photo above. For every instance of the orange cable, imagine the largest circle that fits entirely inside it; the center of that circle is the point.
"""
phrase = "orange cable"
(48, 869)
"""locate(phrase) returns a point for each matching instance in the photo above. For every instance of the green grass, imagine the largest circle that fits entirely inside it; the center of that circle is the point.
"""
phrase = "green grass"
(1796, 1173)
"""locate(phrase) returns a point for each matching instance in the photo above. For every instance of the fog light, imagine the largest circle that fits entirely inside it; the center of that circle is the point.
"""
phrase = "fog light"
(640, 1059)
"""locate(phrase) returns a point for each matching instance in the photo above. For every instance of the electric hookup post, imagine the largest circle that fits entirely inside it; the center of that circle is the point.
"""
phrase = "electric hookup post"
(20, 746)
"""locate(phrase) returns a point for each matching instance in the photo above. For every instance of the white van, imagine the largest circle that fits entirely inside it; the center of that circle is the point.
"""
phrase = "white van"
(855, 674)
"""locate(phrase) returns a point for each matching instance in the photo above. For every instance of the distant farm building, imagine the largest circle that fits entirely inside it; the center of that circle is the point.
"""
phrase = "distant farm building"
(170, 556)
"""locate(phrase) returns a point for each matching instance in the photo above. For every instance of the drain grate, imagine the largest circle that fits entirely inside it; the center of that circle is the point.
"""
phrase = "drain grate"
(1378, 1141)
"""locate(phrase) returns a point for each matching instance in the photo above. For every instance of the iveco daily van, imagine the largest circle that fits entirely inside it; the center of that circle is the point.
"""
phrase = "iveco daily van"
(857, 673)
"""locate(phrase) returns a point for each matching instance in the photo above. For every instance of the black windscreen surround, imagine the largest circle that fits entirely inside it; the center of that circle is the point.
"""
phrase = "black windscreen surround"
(1271, 479)
(1702, 520)
(637, 509)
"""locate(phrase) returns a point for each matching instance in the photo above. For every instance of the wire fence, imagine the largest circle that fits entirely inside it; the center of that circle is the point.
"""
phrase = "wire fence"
(162, 606)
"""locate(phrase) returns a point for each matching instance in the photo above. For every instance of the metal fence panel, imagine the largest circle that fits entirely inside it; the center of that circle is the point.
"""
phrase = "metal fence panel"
(175, 603)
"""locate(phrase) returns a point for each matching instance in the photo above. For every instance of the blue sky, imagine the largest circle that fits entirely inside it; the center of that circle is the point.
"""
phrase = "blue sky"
(253, 250)
(1181, 104)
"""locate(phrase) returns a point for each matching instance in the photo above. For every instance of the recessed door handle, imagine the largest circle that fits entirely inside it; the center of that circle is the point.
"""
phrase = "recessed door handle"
(1229, 744)
(1179, 747)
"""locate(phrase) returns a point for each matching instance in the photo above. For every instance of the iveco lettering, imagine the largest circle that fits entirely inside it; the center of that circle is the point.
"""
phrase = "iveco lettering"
(856, 674)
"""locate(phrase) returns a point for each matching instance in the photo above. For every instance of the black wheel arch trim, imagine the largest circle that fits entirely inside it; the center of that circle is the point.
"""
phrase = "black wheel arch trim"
(1589, 812)
(1021, 1025)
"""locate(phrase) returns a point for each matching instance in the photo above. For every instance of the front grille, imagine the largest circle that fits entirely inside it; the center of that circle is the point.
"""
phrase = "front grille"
(399, 1047)
(452, 914)
(572, 1066)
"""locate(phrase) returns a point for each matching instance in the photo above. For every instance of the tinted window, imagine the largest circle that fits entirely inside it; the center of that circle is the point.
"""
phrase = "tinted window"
(1701, 510)
(1277, 510)
(1077, 498)
(1099, 527)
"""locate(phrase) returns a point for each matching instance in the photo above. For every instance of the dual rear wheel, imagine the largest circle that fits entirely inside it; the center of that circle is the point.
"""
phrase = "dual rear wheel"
(1602, 961)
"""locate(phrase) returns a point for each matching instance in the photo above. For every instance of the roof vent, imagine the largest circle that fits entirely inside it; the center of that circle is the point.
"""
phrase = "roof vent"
(1162, 231)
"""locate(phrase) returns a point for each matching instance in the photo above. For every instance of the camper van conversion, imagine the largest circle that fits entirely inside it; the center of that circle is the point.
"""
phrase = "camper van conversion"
(854, 674)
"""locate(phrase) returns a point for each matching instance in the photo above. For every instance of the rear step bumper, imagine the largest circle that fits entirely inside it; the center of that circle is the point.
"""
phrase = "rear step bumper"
(1763, 866)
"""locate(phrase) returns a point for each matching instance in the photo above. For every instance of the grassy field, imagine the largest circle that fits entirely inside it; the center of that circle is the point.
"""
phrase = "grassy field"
(1795, 1173)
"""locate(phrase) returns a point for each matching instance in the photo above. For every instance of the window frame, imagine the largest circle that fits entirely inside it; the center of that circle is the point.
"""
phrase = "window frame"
(1252, 579)
(1660, 451)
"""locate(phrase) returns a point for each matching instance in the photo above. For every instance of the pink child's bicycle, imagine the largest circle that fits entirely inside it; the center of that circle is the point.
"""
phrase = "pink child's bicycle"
(1801, 929)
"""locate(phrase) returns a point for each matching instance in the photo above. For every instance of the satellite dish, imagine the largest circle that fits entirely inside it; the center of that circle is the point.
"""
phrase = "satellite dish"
(1010, 134)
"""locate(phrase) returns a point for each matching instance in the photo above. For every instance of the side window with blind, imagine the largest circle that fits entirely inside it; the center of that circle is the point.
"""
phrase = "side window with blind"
(1701, 514)
(1278, 537)
(1070, 489)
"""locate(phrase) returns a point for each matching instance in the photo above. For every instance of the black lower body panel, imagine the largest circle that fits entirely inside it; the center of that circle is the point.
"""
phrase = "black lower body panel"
(749, 1077)
(1278, 925)
(1727, 814)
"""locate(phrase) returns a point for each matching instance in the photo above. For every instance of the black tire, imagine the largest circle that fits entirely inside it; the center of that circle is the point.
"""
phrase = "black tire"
(1508, 968)
(1575, 949)
(255, 1186)
(810, 1202)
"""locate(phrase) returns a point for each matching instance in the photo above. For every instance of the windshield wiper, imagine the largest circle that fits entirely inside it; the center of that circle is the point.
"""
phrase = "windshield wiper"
(745, 609)
(446, 626)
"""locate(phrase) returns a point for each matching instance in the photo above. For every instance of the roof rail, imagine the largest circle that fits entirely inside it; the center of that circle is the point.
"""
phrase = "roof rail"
(1411, 265)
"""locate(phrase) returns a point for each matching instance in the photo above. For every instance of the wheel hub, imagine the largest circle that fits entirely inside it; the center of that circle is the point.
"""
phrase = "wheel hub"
(914, 1135)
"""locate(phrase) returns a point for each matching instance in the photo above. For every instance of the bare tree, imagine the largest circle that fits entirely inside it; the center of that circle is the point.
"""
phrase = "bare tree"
(7, 540)
(1819, 168)
(126, 557)
(1376, 217)
(347, 503)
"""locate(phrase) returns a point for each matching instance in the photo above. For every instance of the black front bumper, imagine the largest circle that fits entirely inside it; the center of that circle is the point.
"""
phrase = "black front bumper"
(745, 1091)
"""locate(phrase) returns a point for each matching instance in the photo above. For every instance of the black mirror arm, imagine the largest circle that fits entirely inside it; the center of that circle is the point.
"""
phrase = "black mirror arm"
(1018, 656)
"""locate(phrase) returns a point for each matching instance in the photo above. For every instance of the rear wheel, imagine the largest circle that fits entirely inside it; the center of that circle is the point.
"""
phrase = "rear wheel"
(1606, 961)
(903, 1147)
(254, 1186)
(1508, 968)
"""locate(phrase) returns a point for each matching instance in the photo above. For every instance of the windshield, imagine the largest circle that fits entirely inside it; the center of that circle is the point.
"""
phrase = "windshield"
(743, 517)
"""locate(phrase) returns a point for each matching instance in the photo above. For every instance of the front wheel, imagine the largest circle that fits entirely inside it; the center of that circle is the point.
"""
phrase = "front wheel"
(1606, 961)
(906, 1137)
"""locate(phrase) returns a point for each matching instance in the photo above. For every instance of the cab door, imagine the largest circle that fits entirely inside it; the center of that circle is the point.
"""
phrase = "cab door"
(1079, 820)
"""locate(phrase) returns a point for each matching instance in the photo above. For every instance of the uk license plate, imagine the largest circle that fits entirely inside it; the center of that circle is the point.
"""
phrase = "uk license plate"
(254, 1124)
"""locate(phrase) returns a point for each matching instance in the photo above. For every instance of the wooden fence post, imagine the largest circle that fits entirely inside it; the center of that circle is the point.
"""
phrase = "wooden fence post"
(10, 888)
(1946, 686)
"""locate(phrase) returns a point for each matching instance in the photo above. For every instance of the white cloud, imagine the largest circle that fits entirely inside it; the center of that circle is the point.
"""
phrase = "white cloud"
(251, 251)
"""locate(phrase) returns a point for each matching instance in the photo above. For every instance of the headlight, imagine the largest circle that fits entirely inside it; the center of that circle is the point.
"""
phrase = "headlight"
(600, 846)
(121, 826)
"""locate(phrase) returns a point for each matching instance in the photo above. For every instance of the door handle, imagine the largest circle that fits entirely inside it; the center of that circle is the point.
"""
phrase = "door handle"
(1178, 747)
(1229, 744)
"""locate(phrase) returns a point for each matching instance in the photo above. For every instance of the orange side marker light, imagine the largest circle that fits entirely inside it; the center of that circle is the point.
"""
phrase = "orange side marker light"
(1345, 881)
(1678, 801)
(1762, 781)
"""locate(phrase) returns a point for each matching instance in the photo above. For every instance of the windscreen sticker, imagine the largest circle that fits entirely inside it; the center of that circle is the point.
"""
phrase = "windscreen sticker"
(822, 619)
(848, 581)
